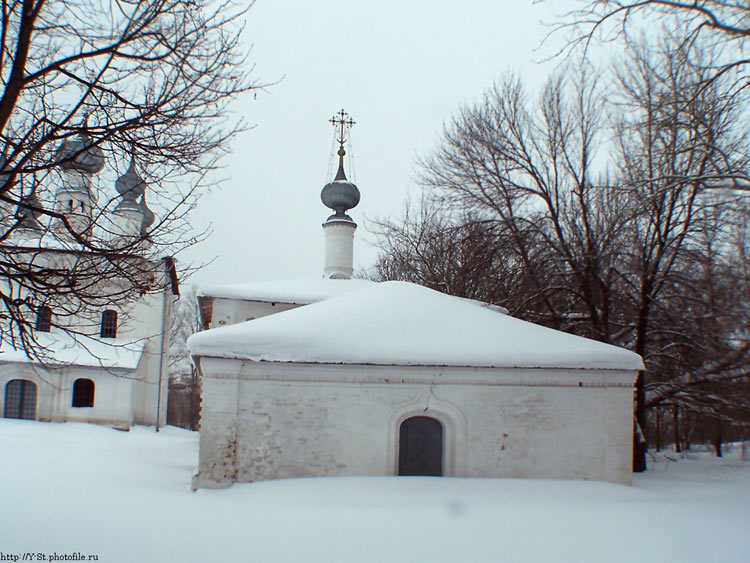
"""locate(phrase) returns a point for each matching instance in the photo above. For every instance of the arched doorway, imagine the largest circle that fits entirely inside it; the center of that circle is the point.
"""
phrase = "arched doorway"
(420, 446)
(20, 399)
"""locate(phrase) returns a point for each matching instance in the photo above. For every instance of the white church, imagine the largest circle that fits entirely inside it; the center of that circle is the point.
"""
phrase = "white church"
(114, 370)
(343, 377)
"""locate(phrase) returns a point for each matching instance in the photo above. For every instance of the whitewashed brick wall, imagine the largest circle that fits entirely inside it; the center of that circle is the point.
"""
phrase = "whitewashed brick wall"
(263, 420)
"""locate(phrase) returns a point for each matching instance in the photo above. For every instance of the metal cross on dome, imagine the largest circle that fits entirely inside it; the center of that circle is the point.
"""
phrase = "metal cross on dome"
(344, 122)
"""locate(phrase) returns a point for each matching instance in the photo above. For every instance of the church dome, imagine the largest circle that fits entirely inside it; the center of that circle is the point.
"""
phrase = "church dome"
(128, 205)
(29, 213)
(130, 185)
(3, 175)
(80, 155)
(148, 217)
(340, 195)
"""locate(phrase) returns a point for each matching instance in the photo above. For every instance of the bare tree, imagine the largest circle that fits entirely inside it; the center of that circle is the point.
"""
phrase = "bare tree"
(184, 381)
(726, 18)
(720, 25)
(89, 83)
(531, 167)
(676, 131)
(462, 257)
(630, 249)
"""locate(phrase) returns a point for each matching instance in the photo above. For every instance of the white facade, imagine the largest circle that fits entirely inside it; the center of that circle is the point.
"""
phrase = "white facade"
(224, 305)
(231, 311)
(270, 421)
(106, 362)
(319, 392)
(112, 401)
(129, 372)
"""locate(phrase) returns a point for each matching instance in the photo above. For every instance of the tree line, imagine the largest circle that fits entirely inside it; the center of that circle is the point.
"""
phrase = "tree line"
(611, 205)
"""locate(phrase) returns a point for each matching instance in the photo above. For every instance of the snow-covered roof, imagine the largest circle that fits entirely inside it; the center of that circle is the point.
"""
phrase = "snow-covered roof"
(301, 292)
(59, 349)
(47, 241)
(399, 323)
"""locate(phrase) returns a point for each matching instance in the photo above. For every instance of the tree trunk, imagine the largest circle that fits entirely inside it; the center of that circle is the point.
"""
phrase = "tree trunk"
(639, 440)
(718, 439)
(676, 428)
(688, 428)
(658, 429)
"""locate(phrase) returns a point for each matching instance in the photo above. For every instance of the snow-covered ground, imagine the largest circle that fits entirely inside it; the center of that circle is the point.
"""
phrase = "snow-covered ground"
(125, 496)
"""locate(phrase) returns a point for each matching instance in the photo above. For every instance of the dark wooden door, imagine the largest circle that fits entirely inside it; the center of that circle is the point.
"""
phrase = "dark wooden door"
(20, 399)
(420, 447)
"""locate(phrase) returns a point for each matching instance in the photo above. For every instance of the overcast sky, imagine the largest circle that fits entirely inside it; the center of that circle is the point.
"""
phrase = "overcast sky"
(399, 68)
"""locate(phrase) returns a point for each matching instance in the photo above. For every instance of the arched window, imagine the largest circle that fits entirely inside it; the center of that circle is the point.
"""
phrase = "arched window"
(43, 319)
(20, 399)
(83, 393)
(109, 324)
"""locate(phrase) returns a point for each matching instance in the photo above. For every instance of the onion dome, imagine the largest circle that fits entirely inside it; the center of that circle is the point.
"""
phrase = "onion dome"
(130, 185)
(28, 213)
(80, 155)
(148, 217)
(3, 163)
(128, 205)
(340, 195)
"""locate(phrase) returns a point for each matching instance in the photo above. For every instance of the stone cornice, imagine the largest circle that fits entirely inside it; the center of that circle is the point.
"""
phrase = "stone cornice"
(224, 368)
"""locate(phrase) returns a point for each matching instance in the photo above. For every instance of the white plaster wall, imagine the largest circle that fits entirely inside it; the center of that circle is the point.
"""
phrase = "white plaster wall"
(230, 311)
(339, 252)
(266, 421)
(127, 396)
(126, 224)
(112, 393)
(150, 319)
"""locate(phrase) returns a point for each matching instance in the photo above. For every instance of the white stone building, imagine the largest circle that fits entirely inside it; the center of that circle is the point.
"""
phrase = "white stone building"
(399, 379)
(114, 371)
(223, 305)
(360, 379)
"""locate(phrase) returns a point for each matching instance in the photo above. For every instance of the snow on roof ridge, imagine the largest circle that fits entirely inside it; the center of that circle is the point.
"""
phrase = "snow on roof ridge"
(399, 323)
(299, 291)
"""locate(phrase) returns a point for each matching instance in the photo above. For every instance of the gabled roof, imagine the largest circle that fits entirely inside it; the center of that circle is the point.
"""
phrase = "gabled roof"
(398, 323)
(300, 292)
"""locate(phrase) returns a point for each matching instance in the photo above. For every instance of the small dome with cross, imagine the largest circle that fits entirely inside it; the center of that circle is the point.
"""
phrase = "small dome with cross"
(340, 195)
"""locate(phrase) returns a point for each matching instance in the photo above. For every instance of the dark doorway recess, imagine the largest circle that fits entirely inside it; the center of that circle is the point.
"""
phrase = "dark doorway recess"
(83, 393)
(420, 447)
(20, 399)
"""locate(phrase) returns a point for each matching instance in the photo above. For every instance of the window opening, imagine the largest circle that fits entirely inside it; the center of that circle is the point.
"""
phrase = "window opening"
(20, 399)
(44, 319)
(83, 393)
(109, 324)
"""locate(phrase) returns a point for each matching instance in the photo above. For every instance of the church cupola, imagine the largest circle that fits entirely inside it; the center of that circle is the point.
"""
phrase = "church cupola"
(79, 160)
(148, 217)
(129, 214)
(7, 211)
(340, 195)
(28, 213)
